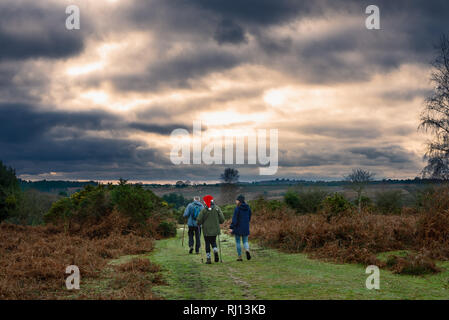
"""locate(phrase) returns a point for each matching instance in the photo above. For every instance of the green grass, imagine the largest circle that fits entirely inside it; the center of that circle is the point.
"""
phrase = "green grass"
(275, 275)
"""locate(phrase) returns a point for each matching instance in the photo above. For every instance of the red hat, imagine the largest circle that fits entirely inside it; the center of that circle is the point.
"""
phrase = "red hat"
(207, 200)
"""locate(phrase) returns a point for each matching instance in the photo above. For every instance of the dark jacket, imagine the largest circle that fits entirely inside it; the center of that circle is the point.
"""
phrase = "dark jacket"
(210, 221)
(241, 219)
(190, 212)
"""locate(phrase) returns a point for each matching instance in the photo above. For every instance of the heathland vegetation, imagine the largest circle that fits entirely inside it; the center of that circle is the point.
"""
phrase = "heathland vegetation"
(87, 229)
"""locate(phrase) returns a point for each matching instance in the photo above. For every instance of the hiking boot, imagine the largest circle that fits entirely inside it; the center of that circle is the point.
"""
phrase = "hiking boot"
(197, 252)
(248, 255)
(191, 251)
(239, 258)
(216, 257)
(208, 261)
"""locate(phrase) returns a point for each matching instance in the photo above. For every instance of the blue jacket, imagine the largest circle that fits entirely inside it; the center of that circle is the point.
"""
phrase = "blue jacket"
(241, 219)
(190, 211)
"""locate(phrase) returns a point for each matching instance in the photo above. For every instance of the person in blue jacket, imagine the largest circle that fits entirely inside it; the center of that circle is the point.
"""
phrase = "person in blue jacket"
(192, 211)
(240, 226)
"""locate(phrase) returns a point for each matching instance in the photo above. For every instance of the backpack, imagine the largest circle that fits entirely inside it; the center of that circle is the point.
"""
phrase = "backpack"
(196, 212)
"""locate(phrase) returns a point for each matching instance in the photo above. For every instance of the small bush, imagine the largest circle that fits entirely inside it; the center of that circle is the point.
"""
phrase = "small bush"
(366, 203)
(177, 200)
(133, 201)
(421, 196)
(9, 192)
(61, 211)
(413, 264)
(167, 229)
(305, 200)
(433, 224)
(179, 215)
(336, 204)
(389, 201)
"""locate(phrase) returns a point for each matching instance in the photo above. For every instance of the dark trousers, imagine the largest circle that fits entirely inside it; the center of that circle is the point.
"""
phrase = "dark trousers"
(210, 241)
(195, 232)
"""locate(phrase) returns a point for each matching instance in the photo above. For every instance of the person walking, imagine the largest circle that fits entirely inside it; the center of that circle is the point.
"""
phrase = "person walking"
(192, 211)
(210, 219)
(240, 226)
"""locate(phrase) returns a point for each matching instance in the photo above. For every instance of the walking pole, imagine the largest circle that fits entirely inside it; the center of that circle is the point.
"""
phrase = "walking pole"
(219, 247)
(183, 231)
(202, 260)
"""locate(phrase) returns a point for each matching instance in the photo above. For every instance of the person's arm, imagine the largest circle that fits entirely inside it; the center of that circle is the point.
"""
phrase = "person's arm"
(234, 222)
(187, 210)
(199, 220)
(249, 213)
(221, 217)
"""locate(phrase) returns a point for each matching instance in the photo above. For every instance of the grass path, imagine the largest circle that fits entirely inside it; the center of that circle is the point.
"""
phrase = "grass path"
(275, 275)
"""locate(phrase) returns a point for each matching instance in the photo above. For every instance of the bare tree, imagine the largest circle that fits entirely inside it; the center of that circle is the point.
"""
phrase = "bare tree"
(229, 188)
(435, 117)
(358, 179)
(230, 175)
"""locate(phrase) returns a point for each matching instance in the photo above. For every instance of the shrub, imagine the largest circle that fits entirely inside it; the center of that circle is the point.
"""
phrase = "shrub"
(336, 204)
(133, 201)
(61, 211)
(92, 202)
(176, 199)
(179, 215)
(413, 264)
(389, 201)
(305, 200)
(433, 224)
(92, 208)
(9, 192)
(167, 229)
(366, 203)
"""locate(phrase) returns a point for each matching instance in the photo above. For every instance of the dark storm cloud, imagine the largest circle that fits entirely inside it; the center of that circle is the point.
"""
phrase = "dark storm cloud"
(36, 140)
(349, 131)
(32, 30)
(384, 155)
(156, 128)
(318, 155)
(263, 12)
(22, 122)
(310, 158)
(229, 32)
(406, 95)
(343, 130)
(178, 72)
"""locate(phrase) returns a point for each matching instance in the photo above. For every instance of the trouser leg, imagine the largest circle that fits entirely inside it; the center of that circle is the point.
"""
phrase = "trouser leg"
(198, 239)
(213, 242)
(245, 242)
(191, 232)
(207, 242)
(237, 245)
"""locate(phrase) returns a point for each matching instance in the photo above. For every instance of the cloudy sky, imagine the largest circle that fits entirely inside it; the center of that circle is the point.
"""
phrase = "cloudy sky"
(101, 102)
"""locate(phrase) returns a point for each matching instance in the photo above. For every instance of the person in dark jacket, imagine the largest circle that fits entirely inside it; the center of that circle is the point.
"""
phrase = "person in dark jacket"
(192, 211)
(210, 219)
(240, 226)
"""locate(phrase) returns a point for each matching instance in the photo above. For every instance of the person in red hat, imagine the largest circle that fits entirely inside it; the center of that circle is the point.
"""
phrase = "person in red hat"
(210, 219)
